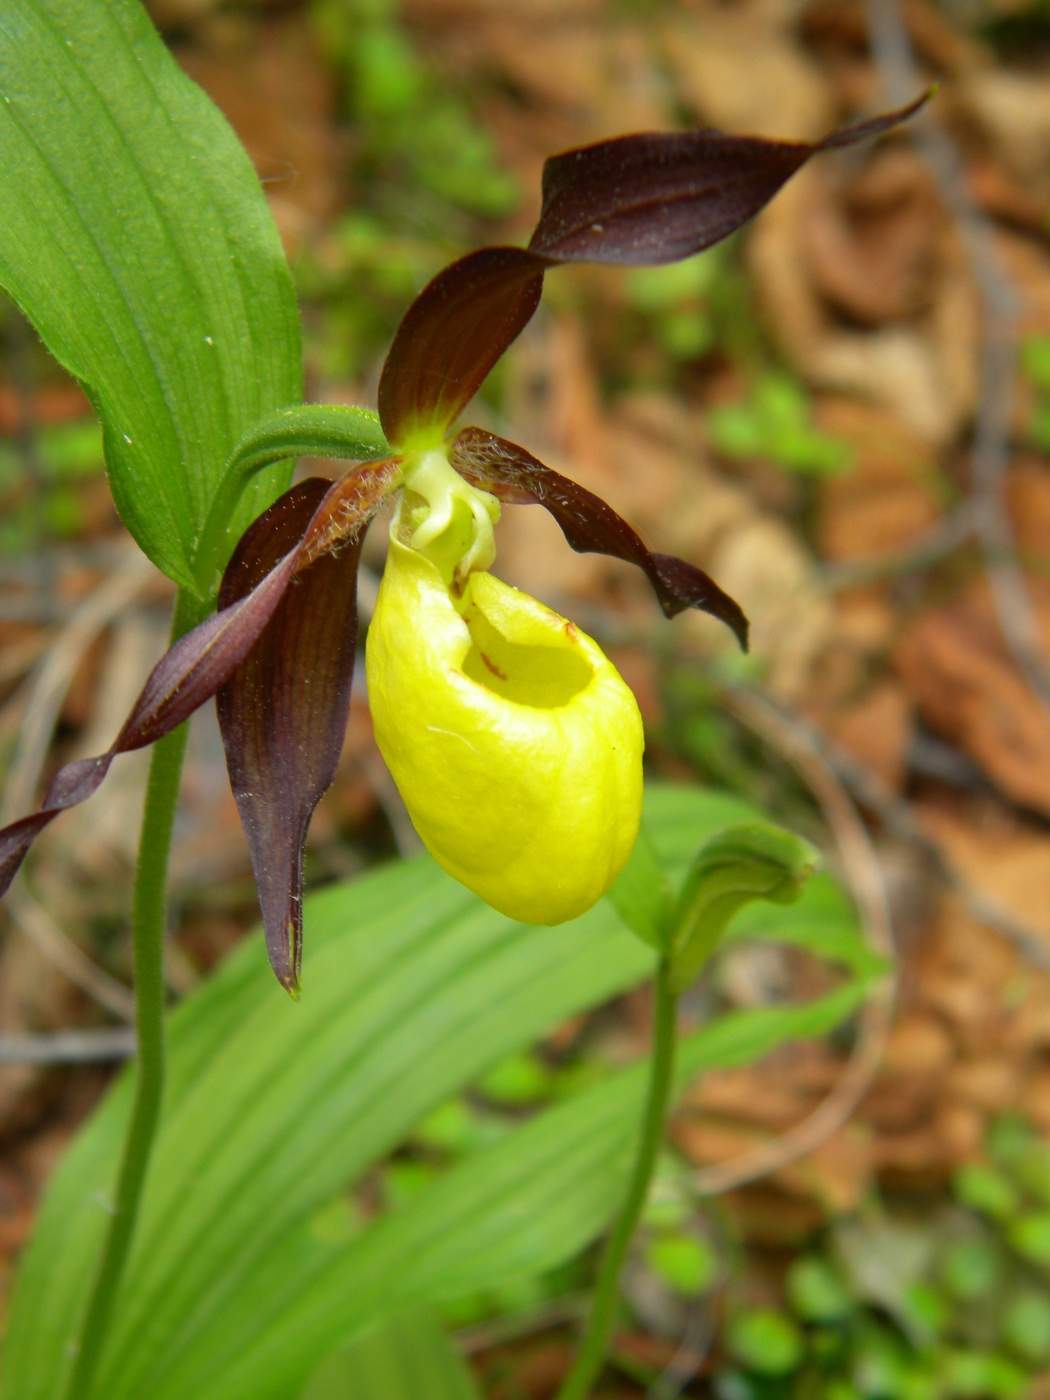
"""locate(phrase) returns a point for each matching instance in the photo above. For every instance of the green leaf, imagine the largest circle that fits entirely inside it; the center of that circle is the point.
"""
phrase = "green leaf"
(823, 923)
(816, 1290)
(412, 989)
(744, 863)
(522, 1206)
(983, 1375)
(766, 1341)
(986, 1189)
(136, 239)
(685, 1263)
(404, 1357)
(519, 1079)
(1026, 1326)
(972, 1269)
(640, 894)
(1029, 1234)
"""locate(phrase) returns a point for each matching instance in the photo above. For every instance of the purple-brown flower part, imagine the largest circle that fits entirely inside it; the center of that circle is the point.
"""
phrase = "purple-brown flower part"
(185, 677)
(452, 335)
(589, 524)
(657, 197)
(318, 522)
(283, 712)
(654, 197)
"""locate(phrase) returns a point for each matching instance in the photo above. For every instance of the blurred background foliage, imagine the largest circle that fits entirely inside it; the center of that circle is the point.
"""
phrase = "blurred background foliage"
(843, 413)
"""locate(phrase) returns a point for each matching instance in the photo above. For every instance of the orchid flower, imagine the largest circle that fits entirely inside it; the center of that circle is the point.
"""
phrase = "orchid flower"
(515, 744)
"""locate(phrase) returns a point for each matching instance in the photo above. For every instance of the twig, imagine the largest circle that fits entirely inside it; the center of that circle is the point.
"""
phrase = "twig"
(924, 553)
(56, 672)
(896, 817)
(65, 955)
(864, 877)
(999, 353)
(43, 705)
(68, 1047)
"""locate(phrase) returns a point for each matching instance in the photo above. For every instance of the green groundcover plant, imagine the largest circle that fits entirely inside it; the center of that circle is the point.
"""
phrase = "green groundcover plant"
(134, 236)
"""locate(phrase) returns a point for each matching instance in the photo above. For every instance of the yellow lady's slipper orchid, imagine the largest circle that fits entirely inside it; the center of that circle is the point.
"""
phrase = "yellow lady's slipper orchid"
(515, 743)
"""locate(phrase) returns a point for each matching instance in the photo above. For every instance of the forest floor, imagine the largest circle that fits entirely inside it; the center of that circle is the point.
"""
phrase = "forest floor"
(843, 415)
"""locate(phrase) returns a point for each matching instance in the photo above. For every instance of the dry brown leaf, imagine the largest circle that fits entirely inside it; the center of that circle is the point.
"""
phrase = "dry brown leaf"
(1010, 111)
(923, 371)
(962, 679)
(874, 729)
(935, 39)
(1003, 858)
(873, 252)
(919, 1049)
(1028, 497)
(763, 564)
(887, 500)
(785, 94)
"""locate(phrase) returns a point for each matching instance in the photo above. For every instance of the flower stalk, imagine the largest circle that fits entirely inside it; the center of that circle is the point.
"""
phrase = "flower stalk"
(736, 866)
(594, 1345)
(148, 930)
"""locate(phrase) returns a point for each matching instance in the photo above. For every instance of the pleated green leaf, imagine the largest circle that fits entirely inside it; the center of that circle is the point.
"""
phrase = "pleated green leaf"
(135, 237)
(411, 989)
(405, 1357)
(511, 1211)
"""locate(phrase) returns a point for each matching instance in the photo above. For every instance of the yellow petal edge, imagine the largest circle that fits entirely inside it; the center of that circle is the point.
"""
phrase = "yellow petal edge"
(515, 743)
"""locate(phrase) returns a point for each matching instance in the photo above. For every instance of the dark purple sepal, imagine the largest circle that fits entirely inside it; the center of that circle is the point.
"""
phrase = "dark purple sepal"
(656, 197)
(283, 713)
(649, 198)
(452, 335)
(589, 524)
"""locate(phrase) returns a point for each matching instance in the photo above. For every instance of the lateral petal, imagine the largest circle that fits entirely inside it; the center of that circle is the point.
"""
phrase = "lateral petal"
(283, 713)
(182, 680)
(589, 524)
(199, 663)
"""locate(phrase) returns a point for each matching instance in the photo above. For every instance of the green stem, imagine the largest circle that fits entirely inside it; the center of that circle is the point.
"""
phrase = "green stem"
(595, 1341)
(148, 927)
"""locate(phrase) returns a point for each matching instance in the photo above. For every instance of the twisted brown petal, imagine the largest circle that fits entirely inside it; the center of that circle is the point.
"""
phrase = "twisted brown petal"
(202, 661)
(654, 197)
(181, 681)
(589, 524)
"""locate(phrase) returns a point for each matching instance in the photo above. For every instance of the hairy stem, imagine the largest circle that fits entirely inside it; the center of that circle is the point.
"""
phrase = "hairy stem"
(595, 1342)
(148, 927)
